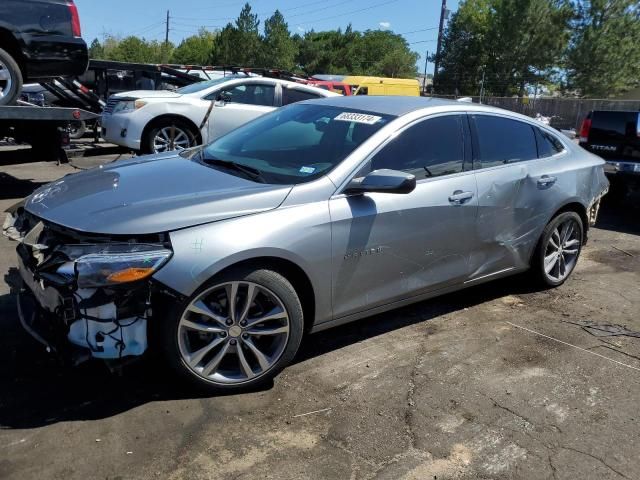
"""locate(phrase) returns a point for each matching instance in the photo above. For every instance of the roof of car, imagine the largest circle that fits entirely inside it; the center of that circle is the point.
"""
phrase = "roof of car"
(386, 105)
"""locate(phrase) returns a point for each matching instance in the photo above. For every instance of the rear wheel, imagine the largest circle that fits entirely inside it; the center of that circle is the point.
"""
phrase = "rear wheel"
(559, 248)
(168, 135)
(10, 79)
(237, 332)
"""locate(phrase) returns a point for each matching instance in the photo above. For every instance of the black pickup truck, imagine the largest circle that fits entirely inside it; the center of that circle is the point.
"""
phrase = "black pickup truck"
(615, 136)
(39, 39)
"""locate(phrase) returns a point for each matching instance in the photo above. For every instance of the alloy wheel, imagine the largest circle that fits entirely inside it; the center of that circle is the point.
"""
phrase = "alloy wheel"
(233, 333)
(562, 249)
(6, 82)
(171, 138)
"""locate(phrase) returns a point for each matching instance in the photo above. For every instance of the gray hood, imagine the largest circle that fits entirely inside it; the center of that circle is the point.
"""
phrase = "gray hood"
(150, 195)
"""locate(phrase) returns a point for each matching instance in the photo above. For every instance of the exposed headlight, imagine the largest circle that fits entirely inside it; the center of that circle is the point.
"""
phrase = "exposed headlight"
(128, 106)
(113, 264)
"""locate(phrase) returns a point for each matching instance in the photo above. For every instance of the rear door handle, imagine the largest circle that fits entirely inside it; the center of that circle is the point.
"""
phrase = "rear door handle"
(546, 181)
(459, 197)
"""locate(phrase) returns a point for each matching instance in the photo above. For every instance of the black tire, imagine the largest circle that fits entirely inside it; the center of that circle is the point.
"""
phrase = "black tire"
(8, 64)
(542, 249)
(147, 144)
(168, 333)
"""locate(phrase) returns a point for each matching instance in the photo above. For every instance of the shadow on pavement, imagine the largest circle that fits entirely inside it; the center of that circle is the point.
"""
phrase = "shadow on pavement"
(620, 215)
(12, 187)
(37, 390)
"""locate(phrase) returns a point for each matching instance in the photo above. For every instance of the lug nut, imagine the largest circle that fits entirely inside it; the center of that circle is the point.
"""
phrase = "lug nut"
(245, 335)
(229, 322)
(243, 323)
(232, 342)
(223, 334)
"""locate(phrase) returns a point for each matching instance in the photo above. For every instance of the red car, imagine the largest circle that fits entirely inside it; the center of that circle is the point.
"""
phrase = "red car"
(337, 87)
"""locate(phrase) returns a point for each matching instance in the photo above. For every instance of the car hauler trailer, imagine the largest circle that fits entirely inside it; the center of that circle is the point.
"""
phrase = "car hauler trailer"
(46, 129)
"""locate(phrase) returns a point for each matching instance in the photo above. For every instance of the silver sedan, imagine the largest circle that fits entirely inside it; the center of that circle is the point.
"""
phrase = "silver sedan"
(317, 214)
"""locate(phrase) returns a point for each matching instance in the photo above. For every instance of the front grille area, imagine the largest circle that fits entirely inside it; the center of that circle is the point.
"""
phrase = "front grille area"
(111, 103)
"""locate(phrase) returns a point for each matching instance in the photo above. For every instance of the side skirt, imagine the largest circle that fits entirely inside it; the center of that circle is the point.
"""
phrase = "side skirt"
(414, 299)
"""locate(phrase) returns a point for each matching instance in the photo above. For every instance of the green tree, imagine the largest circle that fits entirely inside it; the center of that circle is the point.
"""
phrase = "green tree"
(239, 44)
(278, 47)
(604, 57)
(515, 43)
(329, 52)
(383, 53)
(464, 52)
(225, 49)
(196, 49)
(136, 50)
(96, 50)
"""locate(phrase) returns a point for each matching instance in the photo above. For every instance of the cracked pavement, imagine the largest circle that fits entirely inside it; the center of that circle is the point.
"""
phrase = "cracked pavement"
(448, 388)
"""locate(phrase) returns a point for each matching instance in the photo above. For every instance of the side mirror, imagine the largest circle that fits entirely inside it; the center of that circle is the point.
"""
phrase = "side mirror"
(223, 97)
(383, 181)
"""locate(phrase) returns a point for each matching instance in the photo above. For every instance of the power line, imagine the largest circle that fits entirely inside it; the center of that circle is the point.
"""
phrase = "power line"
(424, 41)
(261, 14)
(352, 12)
(416, 31)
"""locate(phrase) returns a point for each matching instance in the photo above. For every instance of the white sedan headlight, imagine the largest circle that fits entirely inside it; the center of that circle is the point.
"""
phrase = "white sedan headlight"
(128, 106)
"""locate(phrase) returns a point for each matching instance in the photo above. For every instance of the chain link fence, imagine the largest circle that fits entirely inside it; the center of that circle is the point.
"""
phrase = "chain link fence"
(565, 113)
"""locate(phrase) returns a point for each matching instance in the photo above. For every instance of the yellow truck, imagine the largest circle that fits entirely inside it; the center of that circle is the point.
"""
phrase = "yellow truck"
(383, 86)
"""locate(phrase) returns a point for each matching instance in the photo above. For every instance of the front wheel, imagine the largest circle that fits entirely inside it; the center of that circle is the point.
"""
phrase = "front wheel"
(169, 135)
(237, 332)
(559, 248)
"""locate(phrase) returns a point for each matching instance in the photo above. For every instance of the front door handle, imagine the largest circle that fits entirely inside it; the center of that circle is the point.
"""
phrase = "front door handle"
(546, 181)
(459, 197)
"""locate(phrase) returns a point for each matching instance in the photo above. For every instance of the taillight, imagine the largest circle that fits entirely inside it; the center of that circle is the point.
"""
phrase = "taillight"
(75, 19)
(584, 130)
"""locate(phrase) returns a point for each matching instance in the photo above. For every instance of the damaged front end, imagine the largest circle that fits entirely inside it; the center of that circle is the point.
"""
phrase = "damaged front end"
(84, 295)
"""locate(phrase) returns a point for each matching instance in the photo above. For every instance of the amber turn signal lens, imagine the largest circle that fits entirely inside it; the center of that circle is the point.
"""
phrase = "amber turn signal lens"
(130, 275)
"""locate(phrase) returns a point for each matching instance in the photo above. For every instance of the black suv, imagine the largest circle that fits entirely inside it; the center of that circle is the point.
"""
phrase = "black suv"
(39, 39)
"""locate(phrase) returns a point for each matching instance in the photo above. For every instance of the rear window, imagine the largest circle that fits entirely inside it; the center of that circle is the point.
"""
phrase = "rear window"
(503, 140)
(615, 123)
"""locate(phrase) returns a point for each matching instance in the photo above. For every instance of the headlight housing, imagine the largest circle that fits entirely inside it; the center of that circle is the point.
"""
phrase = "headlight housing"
(124, 106)
(114, 264)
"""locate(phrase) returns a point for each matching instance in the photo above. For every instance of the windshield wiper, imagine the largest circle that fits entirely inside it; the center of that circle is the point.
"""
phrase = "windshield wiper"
(250, 172)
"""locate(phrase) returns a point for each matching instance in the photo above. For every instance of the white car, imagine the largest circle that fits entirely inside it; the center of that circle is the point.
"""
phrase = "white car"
(153, 121)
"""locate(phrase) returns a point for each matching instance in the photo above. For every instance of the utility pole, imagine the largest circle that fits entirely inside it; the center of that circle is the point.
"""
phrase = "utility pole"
(443, 13)
(424, 80)
(166, 40)
(482, 86)
(166, 34)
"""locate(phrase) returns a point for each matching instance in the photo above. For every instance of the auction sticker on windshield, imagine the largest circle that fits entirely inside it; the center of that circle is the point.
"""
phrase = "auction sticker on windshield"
(357, 118)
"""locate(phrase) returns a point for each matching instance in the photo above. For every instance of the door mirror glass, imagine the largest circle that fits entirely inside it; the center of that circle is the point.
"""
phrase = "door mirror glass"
(383, 181)
(223, 97)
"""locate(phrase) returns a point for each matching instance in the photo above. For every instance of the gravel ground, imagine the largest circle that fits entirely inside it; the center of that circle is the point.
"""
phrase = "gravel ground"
(496, 381)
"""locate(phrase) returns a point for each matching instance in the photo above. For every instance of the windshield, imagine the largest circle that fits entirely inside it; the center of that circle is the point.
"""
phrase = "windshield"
(298, 143)
(199, 86)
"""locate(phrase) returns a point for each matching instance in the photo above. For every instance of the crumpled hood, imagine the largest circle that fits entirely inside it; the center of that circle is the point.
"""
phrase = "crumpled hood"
(151, 194)
(147, 94)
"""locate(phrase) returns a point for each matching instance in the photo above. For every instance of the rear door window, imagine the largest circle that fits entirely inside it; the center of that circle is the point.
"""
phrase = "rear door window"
(431, 148)
(500, 141)
(293, 95)
(548, 145)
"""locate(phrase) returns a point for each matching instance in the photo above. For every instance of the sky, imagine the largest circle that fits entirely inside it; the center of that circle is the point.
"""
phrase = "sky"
(417, 20)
